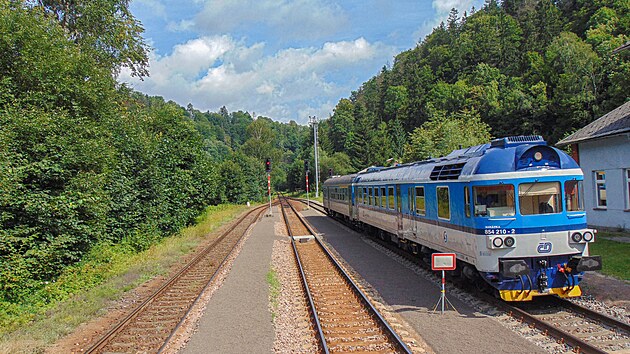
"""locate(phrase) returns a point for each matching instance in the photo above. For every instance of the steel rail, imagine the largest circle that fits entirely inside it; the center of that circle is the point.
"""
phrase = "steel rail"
(597, 316)
(320, 331)
(127, 319)
(390, 331)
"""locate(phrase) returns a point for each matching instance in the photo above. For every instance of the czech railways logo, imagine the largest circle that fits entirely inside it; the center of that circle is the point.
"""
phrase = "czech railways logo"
(544, 247)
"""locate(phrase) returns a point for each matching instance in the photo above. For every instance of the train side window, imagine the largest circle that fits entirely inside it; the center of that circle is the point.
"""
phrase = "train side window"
(371, 196)
(420, 208)
(539, 198)
(467, 201)
(391, 198)
(443, 203)
(573, 192)
(383, 198)
(398, 199)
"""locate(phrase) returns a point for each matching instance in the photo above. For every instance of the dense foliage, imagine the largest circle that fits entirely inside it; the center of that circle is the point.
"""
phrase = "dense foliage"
(85, 162)
(519, 67)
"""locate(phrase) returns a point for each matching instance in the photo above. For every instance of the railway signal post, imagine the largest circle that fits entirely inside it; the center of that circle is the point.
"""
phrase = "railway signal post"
(443, 262)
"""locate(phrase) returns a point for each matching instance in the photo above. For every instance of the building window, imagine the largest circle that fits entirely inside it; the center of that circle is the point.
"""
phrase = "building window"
(600, 188)
(420, 209)
(443, 203)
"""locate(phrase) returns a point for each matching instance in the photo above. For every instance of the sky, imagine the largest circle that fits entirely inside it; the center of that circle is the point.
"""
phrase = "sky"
(282, 59)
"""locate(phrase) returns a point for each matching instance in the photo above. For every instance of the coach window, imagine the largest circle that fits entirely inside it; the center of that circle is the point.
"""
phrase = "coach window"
(371, 191)
(573, 192)
(467, 201)
(539, 198)
(391, 198)
(443, 203)
(496, 200)
(420, 208)
(383, 198)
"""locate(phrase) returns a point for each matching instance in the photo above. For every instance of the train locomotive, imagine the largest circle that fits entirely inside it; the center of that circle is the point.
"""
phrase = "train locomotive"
(511, 210)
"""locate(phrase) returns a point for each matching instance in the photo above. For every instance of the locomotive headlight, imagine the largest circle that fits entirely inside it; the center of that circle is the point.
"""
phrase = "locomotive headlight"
(538, 156)
(509, 241)
(588, 236)
(576, 237)
(497, 242)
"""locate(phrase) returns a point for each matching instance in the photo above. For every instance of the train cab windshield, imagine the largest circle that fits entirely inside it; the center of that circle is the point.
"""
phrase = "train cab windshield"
(539, 198)
(496, 200)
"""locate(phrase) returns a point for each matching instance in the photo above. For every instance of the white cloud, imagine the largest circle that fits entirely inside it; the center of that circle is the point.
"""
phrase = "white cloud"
(291, 18)
(294, 83)
(444, 6)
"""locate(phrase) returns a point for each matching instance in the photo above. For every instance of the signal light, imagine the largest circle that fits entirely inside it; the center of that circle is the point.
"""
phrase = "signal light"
(497, 242)
(267, 165)
(588, 236)
(509, 241)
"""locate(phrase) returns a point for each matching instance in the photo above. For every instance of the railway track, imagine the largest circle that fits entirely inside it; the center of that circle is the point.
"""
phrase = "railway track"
(149, 327)
(343, 316)
(584, 330)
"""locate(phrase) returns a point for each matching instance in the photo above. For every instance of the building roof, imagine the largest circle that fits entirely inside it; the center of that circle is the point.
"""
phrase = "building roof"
(614, 122)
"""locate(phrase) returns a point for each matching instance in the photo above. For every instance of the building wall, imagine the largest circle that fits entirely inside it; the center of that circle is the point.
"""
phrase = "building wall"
(611, 155)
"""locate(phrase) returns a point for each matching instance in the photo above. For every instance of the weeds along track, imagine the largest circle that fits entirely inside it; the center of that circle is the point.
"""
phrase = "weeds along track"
(342, 315)
(150, 326)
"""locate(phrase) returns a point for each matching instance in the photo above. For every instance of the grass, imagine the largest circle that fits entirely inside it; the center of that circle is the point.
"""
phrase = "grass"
(274, 291)
(84, 291)
(615, 254)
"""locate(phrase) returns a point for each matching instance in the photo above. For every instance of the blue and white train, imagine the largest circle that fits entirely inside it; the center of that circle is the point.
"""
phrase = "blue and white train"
(511, 210)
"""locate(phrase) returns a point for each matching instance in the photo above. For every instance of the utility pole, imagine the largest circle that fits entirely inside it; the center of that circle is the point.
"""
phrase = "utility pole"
(314, 121)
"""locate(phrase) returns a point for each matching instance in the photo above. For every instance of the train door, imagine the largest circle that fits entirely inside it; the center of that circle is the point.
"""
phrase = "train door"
(399, 215)
(408, 223)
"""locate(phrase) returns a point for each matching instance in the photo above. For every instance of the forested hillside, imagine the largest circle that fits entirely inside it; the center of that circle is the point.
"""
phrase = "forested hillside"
(86, 162)
(513, 67)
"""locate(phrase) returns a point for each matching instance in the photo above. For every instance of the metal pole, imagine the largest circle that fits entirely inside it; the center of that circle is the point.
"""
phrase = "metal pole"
(443, 292)
(269, 191)
(313, 120)
(308, 202)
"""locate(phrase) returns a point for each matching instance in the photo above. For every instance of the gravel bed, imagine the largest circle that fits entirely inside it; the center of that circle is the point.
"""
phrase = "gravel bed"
(294, 332)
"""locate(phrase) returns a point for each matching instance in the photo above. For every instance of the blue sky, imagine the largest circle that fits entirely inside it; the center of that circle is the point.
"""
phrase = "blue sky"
(284, 59)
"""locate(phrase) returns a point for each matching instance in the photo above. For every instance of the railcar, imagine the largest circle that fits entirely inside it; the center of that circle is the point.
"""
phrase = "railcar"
(511, 210)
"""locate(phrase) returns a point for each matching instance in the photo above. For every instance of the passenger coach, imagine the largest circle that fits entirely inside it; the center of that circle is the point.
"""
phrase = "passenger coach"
(511, 210)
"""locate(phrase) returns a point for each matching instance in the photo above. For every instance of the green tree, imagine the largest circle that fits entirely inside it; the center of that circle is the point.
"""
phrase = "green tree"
(441, 135)
(107, 27)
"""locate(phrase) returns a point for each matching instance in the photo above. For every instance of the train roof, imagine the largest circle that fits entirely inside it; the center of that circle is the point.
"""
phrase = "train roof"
(516, 153)
(335, 180)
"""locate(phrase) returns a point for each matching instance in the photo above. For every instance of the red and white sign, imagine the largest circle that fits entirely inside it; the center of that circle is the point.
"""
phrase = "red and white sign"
(443, 261)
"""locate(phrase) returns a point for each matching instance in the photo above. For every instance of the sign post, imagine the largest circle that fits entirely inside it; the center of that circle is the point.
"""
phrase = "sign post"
(443, 262)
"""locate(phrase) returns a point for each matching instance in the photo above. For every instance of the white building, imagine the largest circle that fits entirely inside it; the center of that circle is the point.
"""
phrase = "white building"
(602, 149)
